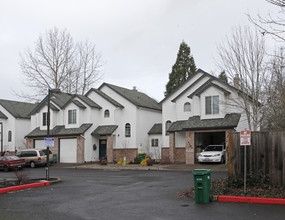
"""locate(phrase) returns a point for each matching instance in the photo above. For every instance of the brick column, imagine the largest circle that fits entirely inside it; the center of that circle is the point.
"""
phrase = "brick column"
(172, 147)
(110, 155)
(80, 149)
(189, 147)
(230, 150)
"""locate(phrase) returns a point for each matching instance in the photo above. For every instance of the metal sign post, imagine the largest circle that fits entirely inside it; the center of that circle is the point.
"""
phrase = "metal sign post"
(245, 141)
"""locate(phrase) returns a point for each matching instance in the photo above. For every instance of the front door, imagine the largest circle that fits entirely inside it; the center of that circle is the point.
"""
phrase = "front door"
(102, 148)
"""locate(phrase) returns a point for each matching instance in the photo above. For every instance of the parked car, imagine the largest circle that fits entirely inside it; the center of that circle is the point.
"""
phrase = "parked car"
(50, 155)
(11, 162)
(212, 153)
(33, 157)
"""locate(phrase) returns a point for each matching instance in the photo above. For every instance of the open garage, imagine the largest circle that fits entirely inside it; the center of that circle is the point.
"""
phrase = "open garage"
(203, 139)
(68, 150)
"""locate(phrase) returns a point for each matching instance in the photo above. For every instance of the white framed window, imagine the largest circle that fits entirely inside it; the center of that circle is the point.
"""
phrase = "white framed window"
(187, 107)
(167, 125)
(72, 116)
(212, 105)
(9, 136)
(106, 113)
(44, 118)
(154, 142)
(127, 130)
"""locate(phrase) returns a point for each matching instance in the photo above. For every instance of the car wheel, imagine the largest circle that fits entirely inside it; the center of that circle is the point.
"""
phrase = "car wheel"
(222, 160)
(6, 169)
(32, 164)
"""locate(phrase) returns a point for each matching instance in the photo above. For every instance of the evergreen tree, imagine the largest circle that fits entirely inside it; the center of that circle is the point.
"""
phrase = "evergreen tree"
(223, 77)
(182, 69)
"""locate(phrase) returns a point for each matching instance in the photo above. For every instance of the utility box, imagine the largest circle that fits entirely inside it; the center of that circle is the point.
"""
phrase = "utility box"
(202, 181)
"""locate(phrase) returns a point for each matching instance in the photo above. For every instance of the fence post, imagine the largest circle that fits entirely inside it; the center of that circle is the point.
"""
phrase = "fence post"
(231, 154)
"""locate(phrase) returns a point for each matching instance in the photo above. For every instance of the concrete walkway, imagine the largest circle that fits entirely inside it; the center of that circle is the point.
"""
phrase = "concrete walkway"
(178, 167)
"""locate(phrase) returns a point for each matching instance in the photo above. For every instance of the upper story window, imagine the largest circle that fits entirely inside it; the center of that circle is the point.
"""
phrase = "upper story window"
(187, 107)
(106, 113)
(9, 136)
(128, 130)
(154, 142)
(167, 125)
(44, 118)
(72, 116)
(212, 105)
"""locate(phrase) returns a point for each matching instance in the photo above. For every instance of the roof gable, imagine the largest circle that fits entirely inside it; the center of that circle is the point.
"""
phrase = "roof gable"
(139, 99)
(105, 96)
(18, 109)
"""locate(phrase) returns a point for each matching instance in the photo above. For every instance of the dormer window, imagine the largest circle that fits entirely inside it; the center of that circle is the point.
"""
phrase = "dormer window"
(72, 116)
(187, 107)
(212, 105)
(106, 113)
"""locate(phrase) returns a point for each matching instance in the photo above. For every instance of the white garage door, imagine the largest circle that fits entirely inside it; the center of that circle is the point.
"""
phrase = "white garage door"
(68, 150)
(40, 144)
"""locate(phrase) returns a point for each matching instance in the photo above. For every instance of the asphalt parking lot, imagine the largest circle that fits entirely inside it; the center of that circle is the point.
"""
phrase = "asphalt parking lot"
(121, 194)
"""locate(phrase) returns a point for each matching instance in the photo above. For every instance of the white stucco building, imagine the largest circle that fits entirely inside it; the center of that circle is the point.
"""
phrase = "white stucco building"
(199, 112)
(109, 121)
(15, 124)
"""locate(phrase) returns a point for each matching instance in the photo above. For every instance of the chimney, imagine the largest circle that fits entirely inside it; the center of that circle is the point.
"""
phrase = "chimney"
(135, 88)
(236, 81)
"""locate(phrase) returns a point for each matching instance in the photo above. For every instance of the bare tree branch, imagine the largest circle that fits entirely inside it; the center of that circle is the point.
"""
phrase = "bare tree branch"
(57, 62)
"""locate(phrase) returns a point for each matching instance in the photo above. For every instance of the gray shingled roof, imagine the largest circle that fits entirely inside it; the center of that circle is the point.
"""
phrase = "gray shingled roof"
(79, 104)
(190, 77)
(58, 98)
(105, 96)
(18, 109)
(88, 101)
(156, 129)
(137, 98)
(2, 115)
(60, 131)
(104, 130)
(176, 126)
(195, 123)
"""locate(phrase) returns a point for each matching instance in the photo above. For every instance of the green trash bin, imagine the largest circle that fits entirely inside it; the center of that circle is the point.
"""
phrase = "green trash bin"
(202, 182)
(54, 158)
(142, 156)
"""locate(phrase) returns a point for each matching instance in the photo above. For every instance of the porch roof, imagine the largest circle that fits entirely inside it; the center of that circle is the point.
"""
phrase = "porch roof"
(156, 129)
(195, 123)
(59, 131)
(104, 130)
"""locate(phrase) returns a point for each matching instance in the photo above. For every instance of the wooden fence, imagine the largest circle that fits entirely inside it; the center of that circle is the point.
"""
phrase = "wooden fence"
(266, 154)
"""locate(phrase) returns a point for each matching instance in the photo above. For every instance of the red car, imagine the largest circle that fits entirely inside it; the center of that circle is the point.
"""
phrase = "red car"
(11, 162)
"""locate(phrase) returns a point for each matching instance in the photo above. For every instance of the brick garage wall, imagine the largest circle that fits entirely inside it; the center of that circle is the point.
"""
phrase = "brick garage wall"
(180, 155)
(130, 153)
(165, 155)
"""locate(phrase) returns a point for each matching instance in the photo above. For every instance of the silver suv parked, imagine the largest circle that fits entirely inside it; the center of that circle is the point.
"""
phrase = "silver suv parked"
(33, 157)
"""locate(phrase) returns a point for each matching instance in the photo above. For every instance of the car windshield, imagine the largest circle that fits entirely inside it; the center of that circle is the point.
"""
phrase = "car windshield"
(214, 148)
(12, 158)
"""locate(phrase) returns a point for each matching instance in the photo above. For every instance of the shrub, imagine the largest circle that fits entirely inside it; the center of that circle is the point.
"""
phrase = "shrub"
(137, 160)
(22, 176)
(103, 162)
(149, 162)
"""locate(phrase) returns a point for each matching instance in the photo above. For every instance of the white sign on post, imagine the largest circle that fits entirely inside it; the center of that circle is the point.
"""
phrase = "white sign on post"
(49, 142)
(244, 141)
(245, 137)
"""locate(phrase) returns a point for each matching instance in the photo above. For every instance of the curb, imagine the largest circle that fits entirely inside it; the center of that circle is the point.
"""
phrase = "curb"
(31, 185)
(251, 200)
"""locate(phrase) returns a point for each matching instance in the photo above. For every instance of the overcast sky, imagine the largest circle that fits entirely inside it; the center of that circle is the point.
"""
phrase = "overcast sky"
(138, 39)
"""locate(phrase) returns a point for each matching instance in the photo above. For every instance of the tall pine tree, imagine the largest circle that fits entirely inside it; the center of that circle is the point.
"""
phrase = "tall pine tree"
(182, 69)
(223, 77)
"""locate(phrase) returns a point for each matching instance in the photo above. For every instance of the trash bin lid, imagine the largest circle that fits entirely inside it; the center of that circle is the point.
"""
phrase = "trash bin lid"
(202, 171)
